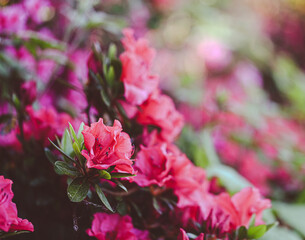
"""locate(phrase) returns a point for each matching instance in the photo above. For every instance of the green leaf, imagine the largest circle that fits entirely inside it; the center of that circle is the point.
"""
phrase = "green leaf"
(66, 142)
(78, 189)
(121, 175)
(80, 136)
(120, 185)
(10, 234)
(73, 134)
(50, 156)
(104, 174)
(61, 151)
(103, 198)
(242, 232)
(63, 168)
(256, 231)
(291, 214)
(156, 205)
(110, 76)
(112, 51)
(78, 153)
(105, 98)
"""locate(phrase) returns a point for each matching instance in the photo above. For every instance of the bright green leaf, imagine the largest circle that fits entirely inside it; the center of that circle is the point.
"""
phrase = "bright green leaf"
(104, 174)
(256, 231)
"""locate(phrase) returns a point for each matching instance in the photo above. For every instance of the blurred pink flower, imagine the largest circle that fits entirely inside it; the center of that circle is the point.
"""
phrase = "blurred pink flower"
(113, 226)
(159, 110)
(139, 83)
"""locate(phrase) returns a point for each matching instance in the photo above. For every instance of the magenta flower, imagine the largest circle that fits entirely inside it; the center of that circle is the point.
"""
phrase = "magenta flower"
(107, 146)
(113, 226)
(9, 220)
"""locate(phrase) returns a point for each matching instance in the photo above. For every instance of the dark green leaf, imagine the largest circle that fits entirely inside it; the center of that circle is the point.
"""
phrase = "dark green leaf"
(63, 168)
(103, 198)
(10, 234)
(121, 175)
(78, 189)
(120, 185)
(157, 206)
(242, 232)
(61, 151)
(50, 156)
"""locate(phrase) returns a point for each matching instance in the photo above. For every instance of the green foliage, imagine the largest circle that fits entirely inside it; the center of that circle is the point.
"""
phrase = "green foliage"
(103, 198)
(63, 168)
(78, 189)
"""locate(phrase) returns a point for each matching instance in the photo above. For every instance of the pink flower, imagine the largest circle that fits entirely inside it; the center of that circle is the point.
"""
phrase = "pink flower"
(153, 165)
(136, 76)
(242, 206)
(248, 202)
(9, 220)
(45, 123)
(159, 110)
(216, 56)
(13, 18)
(107, 146)
(183, 236)
(164, 165)
(115, 227)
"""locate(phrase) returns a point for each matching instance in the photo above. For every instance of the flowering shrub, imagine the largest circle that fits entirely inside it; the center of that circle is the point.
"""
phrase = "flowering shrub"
(105, 137)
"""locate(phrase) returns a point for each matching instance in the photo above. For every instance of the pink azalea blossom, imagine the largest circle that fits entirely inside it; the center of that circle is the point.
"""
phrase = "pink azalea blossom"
(45, 123)
(107, 146)
(113, 226)
(9, 220)
(139, 83)
(242, 206)
(159, 110)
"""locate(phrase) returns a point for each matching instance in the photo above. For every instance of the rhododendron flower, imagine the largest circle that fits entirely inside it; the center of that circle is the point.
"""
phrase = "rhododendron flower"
(183, 236)
(153, 165)
(164, 165)
(9, 220)
(45, 123)
(113, 226)
(107, 146)
(159, 110)
(136, 61)
(242, 206)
